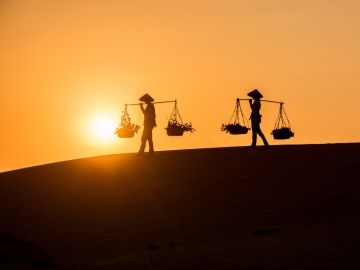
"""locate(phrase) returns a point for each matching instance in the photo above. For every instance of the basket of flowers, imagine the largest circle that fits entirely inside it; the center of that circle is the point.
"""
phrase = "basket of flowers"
(282, 133)
(234, 127)
(176, 127)
(282, 129)
(126, 129)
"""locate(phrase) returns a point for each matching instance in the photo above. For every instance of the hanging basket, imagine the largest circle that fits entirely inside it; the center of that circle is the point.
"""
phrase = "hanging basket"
(282, 133)
(174, 131)
(282, 129)
(176, 127)
(126, 129)
(234, 127)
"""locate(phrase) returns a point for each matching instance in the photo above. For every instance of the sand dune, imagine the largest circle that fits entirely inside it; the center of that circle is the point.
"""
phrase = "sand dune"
(283, 207)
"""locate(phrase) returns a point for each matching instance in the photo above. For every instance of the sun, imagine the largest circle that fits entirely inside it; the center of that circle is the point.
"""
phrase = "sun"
(103, 127)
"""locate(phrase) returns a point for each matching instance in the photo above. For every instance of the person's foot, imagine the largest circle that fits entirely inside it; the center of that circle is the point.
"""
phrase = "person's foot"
(140, 153)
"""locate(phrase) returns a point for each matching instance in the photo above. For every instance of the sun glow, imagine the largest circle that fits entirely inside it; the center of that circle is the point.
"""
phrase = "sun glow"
(103, 128)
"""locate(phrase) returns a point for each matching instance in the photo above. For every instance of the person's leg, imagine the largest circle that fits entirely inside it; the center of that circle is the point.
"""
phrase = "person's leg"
(254, 128)
(151, 144)
(143, 141)
(254, 135)
(262, 137)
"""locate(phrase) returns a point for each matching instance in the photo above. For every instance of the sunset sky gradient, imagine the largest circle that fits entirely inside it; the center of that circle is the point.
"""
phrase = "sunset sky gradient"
(65, 64)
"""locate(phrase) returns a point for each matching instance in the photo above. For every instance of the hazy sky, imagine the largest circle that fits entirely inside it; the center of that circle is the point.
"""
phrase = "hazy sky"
(67, 64)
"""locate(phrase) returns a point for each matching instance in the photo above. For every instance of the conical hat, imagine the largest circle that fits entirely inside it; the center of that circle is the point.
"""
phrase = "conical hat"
(146, 98)
(255, 94)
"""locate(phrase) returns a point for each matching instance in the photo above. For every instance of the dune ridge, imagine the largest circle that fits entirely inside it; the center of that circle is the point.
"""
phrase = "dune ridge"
(283, 207)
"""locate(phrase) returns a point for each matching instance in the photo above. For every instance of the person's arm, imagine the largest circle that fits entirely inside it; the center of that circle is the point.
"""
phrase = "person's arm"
(251, 103)
(142, 107)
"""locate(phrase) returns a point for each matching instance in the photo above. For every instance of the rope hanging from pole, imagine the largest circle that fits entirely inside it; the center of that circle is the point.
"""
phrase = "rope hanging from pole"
(282, 128)
(234, 126)
(175, 113)
(126, 129)
(177, 127)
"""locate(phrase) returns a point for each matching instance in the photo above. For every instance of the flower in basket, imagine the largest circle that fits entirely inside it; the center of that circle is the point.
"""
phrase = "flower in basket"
(130, 128)
(126, 129)
(282, 133)
(234, 128)
(174, 124)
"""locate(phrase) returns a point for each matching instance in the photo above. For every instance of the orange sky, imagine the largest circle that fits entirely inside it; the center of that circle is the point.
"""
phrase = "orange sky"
(66, 63)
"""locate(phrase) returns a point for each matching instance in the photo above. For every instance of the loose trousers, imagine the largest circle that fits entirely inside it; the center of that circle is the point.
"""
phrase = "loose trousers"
(255, 126)
(147, 136)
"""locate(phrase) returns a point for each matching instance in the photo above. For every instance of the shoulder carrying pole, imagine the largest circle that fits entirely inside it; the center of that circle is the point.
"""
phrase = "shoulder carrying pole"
(263, 100)
(156, 102)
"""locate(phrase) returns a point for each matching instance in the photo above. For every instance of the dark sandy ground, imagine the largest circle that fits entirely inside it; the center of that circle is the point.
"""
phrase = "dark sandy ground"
(283, 207)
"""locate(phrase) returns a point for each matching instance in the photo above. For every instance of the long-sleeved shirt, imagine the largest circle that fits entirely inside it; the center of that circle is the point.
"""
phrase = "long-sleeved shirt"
(255, 108)
(149, 115)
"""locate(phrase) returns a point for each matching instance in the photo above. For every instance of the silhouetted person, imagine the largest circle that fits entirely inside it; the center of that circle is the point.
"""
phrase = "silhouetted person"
(149, 123)
(256, 117)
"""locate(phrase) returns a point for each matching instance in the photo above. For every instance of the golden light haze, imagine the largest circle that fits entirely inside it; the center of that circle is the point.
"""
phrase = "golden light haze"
(65, 64)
